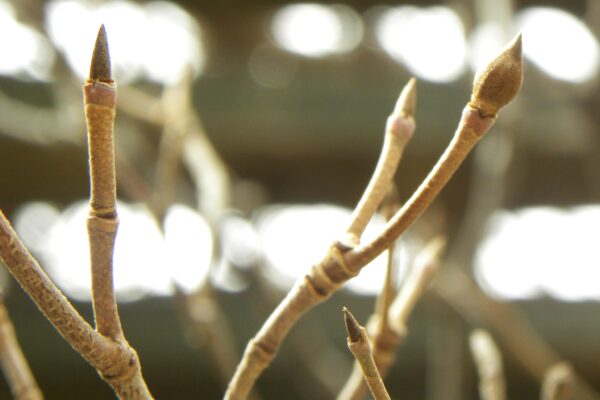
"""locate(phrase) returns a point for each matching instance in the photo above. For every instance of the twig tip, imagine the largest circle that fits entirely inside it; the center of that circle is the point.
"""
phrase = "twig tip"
(352, 326)
(497, 84)
(100, 68)
(407, 100)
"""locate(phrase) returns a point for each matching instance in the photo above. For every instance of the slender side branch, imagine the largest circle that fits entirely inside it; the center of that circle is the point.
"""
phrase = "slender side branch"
(387, 338)
(398, 132)
(389, 207)
(559, 383)
(100, 97)
(339, 266)
(358, 343)
(509, 325)
(426, 266)
(12, 360)
(488, 361)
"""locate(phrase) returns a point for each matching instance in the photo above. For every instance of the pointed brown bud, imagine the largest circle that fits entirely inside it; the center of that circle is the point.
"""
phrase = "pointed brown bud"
(406, 104)
(498, 83)
(352, 326)
(100, 67)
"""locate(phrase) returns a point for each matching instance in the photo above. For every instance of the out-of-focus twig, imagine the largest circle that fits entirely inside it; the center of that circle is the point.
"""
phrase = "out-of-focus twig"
(559, 383)
(510, 327)
(16, 369)
(208, 171)
(488, 361)
(184, 140)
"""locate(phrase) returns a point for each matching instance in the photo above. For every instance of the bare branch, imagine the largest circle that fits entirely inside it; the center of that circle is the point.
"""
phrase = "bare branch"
(488, 361)
(16, 369)
(338, 267)
(358, 343)
(398, 132)
(386, 338)
(559, 383)
(100, 98)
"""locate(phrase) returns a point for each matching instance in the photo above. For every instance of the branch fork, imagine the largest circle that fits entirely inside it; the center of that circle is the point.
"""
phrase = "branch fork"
(492, 90)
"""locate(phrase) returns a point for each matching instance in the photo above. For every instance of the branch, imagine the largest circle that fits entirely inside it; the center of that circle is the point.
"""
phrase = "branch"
(100, 96)
(339, 266)
(398, 132)
(559, 382)
(358, 343)
(509, 325)
(386, 338)
(382, 305)
(489, 366)
(114, 361)
(106, 349)
(16, 370)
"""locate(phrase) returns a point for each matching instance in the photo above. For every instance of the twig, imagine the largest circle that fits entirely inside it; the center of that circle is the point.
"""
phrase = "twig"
(105, 349)
(386, 338)
(377, 326)
(100, 96)
(116, 362)
(337, 267)
(398, 132)
(426, 266)
(508, 324)
(559, 382)
(358, 343)
(488, 361)
(389, 207)
(175, 102)
(16, 369)
(205, 166)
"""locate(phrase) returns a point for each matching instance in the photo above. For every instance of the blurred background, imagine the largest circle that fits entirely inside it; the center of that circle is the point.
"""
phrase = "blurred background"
(246, 132)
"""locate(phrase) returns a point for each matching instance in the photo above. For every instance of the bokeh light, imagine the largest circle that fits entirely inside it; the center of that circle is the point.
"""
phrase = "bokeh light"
(316, 30)
(154, 41)
(430, 41)
(146, 262)
(541, 251)
(296, 237)
(559, 43)
(25, 52)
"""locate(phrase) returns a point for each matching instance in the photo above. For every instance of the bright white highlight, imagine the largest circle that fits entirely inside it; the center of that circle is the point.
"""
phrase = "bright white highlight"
(316, 30)
(145, 262)
(23, 50)
(155, 41)
(240, 241)
(542, 251)
(559, 43)
(189, 245)
(430, 42)
(296, 237)
(485, 42)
